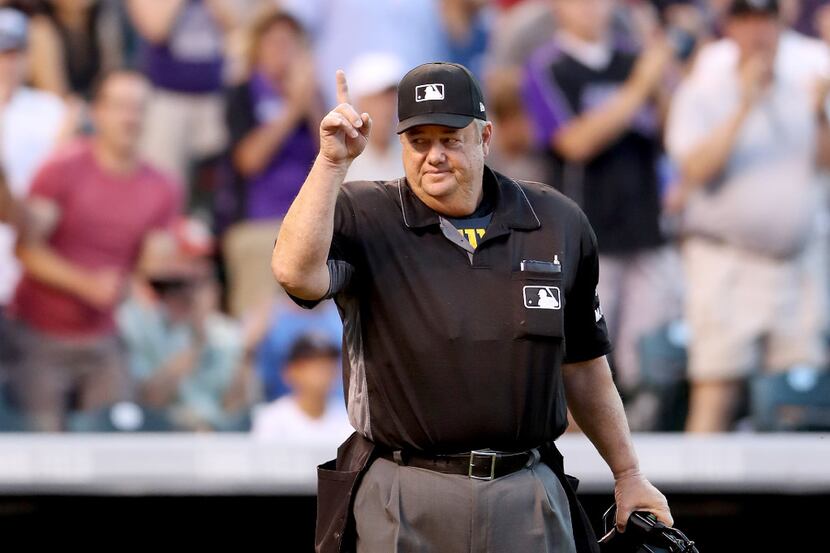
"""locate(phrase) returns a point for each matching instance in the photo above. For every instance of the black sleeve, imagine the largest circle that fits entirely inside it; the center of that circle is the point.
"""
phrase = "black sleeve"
(342, 259)
(586, 335)
(239, 114)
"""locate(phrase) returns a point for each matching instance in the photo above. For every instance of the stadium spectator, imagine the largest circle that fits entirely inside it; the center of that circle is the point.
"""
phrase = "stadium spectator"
(309, 412)
(95, 203)
(411, 30)
(183, 354)
(283, 323)
(595, 109)
(513, 150)
(467, 24)
(271, 118)
(78, 40)
(32, 124)
(519, 30)
(749, 131)
(374, 85)
(183, 57)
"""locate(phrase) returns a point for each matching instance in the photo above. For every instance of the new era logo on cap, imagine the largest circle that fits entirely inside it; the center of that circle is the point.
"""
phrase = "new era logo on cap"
(427, 92)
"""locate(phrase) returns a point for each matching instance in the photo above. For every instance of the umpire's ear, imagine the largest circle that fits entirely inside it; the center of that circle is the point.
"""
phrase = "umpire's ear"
(486, 136)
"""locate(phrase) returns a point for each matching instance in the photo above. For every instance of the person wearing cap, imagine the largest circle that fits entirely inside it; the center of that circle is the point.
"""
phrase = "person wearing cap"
(374, 85)
(308, 412)
(271, 117)
(33, 124)
(751, 140)
(184, 355)
(457, 375)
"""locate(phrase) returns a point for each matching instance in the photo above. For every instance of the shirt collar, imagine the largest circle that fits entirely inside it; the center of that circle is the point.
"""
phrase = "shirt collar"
(595, 55)
(513, 209)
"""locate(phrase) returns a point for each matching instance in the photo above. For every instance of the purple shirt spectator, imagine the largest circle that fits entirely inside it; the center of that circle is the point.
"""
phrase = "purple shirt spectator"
(269, 194)
(190, 60)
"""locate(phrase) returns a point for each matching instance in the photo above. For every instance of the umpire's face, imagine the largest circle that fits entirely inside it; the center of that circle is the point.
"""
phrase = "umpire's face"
(444, 165)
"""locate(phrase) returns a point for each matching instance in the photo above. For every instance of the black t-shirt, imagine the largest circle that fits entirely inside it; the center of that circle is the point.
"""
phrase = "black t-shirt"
(619, 188)
(449, 348)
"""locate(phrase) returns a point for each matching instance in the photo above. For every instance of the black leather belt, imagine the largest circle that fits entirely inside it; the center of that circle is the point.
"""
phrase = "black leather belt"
(480, 464)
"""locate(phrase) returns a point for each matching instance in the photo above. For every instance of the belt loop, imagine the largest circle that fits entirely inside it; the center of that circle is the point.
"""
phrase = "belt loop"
(535, 457)
(397, 455)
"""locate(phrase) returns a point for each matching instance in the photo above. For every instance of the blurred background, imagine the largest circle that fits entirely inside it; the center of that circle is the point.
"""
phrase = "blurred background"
(150, 148)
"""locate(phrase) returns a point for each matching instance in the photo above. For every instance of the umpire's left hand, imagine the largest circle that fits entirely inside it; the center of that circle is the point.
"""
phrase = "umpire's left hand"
(633, 492)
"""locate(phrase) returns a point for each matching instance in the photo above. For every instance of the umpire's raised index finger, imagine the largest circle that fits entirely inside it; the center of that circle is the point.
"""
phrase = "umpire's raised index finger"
(342, 88)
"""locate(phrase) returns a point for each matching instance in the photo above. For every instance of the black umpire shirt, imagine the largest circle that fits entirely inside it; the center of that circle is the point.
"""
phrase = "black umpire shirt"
(448, 347)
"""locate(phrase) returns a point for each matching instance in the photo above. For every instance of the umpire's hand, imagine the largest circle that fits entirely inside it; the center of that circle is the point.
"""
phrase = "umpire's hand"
(343, 132)
(632, 492)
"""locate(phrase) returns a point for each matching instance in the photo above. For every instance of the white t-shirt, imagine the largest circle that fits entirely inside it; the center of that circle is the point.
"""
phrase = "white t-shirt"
(374, 165)
(29, 127)
(282, 419)
(766, 199)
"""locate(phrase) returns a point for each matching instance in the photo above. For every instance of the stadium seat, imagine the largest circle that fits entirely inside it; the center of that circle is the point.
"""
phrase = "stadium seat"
(797, 400)
(663, 372)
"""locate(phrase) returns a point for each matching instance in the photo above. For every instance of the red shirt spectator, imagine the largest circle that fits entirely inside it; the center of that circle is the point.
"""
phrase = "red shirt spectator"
(104, 218)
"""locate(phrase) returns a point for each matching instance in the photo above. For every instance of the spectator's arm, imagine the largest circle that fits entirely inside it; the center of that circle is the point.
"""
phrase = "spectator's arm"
(223, 14)
(822, 124)
(47, 57)
(154, 19)
(101, 288)
(702, 152)
(38, 259)
(823, 142)
(258, 147)
(157, 375)
(9, 206)
(253, 150)
(704, 161)
(160, 389)
(585, 136)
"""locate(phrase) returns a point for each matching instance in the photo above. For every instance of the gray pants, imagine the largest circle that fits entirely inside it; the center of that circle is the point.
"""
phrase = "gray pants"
(401, 509)
(45, 371)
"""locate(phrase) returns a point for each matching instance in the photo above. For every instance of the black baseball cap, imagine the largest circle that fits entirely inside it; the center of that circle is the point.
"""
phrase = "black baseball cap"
(439, 93)
(312, 346)
(753, 7)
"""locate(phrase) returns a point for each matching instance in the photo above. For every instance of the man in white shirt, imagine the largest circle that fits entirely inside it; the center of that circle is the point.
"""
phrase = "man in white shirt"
(31, 122)
(375, 79)
(749, 132)
(308, 413)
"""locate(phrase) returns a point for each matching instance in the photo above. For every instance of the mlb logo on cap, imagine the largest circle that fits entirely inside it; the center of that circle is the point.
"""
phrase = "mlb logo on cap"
(426, 92)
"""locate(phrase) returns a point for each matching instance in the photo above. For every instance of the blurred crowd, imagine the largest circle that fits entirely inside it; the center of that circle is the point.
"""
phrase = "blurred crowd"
(150, 148)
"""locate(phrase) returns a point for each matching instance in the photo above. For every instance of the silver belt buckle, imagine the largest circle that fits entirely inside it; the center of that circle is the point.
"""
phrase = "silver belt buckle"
(480, 453)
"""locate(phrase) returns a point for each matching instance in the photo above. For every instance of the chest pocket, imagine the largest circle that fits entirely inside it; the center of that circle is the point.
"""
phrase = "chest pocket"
(538, 302)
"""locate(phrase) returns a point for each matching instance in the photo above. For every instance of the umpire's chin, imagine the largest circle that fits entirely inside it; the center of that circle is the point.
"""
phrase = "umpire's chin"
(439, 183)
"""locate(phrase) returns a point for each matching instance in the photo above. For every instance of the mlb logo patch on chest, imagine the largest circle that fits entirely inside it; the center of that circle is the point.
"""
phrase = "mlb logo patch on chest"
(542, 297)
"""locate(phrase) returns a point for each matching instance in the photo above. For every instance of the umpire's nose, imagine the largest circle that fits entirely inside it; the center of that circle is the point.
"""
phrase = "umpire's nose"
(437, 155)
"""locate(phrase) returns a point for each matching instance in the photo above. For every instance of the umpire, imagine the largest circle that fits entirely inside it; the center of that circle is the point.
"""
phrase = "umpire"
(471, 321)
